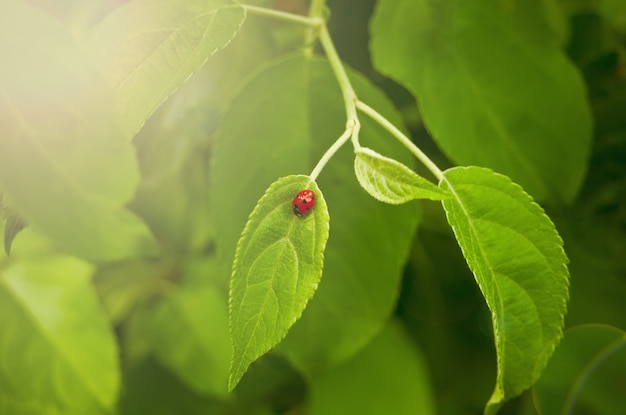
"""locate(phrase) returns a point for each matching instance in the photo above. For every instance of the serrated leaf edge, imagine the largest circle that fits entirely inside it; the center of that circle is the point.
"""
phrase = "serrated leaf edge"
(496, 399)
(415, 180)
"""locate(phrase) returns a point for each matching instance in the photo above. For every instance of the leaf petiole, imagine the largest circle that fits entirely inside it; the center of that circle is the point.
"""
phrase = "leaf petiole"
(332, 150)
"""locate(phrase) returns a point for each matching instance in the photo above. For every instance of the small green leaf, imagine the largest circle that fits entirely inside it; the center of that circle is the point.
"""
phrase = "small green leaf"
(518, 261)
(390, 181)
(56, 345)
(278, 265)
(149, 48)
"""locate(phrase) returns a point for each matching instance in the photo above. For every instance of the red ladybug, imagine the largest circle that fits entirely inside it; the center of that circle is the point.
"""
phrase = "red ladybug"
(303, 202)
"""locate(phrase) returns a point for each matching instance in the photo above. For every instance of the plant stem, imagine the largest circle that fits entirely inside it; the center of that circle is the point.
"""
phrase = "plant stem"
(349, 96)
(312, 21)
(353, 125)
(376, 116)
(331, 151)
(316, 10)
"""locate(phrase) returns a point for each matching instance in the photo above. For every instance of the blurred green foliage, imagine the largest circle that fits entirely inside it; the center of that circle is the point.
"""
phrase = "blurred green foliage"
(135, 161)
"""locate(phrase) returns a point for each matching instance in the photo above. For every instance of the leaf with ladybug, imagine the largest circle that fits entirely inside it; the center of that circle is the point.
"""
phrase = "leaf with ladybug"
(392, 182)
(278, 265)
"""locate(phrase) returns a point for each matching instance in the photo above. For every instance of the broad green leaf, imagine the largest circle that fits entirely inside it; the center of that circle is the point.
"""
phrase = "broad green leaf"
(281, 123)
(518, 261)
(390, 181)
(587, 373)
(56, 346)
(277, 268)
(64, 165)
(149, 48)
(190, 335)
(493, 87)
(388, 376)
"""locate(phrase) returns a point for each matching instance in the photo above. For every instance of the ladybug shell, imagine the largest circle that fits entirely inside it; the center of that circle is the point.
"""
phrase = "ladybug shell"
(303, 202)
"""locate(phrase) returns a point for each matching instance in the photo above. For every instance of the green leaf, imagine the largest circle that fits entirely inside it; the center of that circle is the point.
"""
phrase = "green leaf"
(390, 181)
(390, 368)
(56, 346)
(190, 335)
(149, 48)
(518, 261)
(277, 268)
(64, 164)
(586, 373)
(493, 86)
(369, 242)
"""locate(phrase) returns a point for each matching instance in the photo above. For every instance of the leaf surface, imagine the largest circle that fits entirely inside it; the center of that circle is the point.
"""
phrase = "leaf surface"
(390, 181)
(518, 261)
(57, 348)
(390, 367)
(493, 86)
(149, 48)
(277, 268)
(190, 336)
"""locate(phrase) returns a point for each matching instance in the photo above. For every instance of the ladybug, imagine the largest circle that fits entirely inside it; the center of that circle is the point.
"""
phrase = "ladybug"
(303, 202)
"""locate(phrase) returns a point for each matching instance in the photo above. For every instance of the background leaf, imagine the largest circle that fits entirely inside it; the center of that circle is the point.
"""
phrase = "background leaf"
(173, 152)
(437, 49)
(190, 335)
(391, 181)
(64, 165)
(518, 261)
(148, 48)
(277, 268)
(285, 118)
(587, 373)
(389, 371)
(57, 348)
